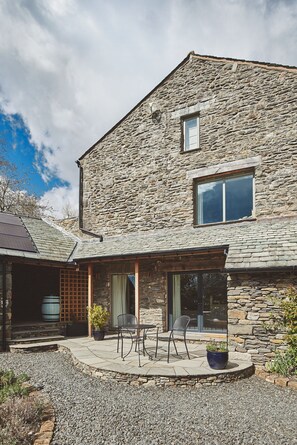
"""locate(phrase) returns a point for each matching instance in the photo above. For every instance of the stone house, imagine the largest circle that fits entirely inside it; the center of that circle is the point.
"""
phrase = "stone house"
(194, 193)
(188, 204)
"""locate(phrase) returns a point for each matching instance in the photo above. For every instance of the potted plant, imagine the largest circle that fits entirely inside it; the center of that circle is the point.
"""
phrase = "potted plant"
(98, 317)
(217, 354)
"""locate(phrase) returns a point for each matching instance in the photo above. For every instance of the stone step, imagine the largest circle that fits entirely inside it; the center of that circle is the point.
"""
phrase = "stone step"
(30, 340)
(33, 334)
(41, 326)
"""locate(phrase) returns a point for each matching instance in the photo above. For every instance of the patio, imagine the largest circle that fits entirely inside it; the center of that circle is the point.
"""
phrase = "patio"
(100, 359)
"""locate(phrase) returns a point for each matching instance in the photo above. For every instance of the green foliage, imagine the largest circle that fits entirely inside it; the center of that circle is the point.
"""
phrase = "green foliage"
(217, 346)
(98, 316)
(285, 363)
(289, 307)
(10, 385)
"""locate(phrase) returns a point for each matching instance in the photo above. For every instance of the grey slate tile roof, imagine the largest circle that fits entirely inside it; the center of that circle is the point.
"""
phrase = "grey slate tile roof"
(52, 243)
(252, 244)
(261, 244)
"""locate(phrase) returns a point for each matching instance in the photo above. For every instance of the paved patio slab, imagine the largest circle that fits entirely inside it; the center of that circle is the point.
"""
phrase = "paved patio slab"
(101, 358)
(91, 352)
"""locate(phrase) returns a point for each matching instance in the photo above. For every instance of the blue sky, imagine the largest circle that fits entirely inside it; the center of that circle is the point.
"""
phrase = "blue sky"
(70, 69)
(20, 151)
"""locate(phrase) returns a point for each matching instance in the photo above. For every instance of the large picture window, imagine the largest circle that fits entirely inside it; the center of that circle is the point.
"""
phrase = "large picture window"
(201, 296)
(226, 199)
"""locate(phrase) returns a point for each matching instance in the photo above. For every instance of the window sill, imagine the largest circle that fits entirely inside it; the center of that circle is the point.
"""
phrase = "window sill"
(189, 151)
(225, 222)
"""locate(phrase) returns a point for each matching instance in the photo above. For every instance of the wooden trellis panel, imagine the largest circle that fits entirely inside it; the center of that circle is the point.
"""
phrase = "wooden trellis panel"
(73, 295)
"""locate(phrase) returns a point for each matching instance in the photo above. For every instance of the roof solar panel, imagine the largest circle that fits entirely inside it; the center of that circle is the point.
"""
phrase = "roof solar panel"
(14, 235)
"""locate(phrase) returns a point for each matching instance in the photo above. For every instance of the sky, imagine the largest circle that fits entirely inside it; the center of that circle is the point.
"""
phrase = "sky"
(71, 69)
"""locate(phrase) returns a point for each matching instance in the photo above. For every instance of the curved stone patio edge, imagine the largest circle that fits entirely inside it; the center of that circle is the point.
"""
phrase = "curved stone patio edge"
(276, 379)
(159, 380)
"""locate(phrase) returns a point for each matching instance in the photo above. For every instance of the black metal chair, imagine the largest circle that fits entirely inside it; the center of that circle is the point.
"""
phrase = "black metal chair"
(179, 328)
(125, 320)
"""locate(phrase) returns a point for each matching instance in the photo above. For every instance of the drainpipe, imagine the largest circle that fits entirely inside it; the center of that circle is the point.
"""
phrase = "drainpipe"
(4, 306)
(80, 217)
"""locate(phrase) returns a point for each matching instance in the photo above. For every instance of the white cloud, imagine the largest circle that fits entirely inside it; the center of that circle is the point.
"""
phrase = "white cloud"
(60, 199)
(72, 69)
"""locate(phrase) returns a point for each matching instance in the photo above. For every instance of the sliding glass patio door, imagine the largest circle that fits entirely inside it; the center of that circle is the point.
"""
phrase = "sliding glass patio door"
(201, 296)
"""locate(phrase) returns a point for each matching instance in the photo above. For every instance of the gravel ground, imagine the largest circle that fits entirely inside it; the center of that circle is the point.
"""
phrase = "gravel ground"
(93, 412)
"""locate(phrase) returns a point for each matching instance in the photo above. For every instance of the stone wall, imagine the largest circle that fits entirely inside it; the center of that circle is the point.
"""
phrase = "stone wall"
(153, 291)
(8, 302)
(135, 179)
(252, 299)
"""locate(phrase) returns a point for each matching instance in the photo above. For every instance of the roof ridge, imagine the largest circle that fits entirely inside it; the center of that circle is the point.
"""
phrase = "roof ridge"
(244, 61)
(61, 229)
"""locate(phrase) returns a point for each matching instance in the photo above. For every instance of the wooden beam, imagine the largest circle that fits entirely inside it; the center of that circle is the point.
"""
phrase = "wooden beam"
(137, 296)
(90, 294)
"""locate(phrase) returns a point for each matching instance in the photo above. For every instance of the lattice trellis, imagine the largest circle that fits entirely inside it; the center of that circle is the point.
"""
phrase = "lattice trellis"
(73, 295)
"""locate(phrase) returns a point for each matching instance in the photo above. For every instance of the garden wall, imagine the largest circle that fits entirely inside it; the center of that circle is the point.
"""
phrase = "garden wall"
(252, 299)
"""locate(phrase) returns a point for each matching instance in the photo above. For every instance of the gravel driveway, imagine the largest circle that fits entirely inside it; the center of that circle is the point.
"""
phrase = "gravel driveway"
(93, 412)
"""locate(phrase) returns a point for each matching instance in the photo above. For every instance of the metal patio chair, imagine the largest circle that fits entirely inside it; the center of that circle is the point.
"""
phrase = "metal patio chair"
(125, 320)
(179, 328)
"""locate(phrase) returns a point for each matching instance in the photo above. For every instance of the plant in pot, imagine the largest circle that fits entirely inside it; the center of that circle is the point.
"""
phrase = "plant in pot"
(98, 317)
(217, 354)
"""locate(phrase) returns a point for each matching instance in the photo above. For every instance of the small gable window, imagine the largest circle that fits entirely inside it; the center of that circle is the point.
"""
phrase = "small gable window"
(191, 133)
(225, 199)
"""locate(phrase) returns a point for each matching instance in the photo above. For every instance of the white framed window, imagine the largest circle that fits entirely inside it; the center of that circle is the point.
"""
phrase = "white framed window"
(225, 199)
(191, 133)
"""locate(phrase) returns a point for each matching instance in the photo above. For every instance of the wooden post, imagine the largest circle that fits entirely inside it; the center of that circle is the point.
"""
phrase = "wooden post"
(90, 294)
(137, 296)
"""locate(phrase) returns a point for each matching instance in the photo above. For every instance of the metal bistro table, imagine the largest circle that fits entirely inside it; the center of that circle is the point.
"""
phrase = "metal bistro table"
(137, 334)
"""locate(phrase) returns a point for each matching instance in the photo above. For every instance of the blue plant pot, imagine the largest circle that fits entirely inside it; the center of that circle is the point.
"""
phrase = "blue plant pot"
(98, 335)
(217, 360)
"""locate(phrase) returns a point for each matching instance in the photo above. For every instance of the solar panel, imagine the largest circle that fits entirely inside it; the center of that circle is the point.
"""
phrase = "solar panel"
(14, 235)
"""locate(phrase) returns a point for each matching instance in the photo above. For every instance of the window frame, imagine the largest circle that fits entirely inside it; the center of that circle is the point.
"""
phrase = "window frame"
(223, 178)
(185, 119)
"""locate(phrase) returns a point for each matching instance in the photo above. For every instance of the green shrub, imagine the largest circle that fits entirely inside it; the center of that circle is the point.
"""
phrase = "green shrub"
(11, 385)
(217, 346)
(285, 363)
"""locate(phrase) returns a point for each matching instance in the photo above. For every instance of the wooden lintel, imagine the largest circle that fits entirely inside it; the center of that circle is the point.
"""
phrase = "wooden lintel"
(40, 262)
(195, 264)
(157, 256)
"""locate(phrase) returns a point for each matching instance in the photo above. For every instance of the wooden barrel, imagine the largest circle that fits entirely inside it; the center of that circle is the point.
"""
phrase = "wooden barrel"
(50, 308)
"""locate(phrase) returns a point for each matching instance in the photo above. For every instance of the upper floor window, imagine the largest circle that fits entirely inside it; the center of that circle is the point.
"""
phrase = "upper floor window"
(225, 199)
(191, 133)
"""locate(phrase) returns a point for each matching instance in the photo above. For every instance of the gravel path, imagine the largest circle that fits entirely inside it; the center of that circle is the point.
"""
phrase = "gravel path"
(92, 412)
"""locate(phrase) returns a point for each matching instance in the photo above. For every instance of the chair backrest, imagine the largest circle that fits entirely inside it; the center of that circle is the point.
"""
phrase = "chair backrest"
(126, 320)
(181, 323)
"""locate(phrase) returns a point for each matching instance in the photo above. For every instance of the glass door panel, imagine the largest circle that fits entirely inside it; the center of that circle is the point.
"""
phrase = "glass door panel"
(201, 296)
(189, 298)
(214, 302)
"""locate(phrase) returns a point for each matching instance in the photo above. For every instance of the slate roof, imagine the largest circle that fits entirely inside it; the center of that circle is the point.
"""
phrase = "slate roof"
(270, 243)
(52, 243)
